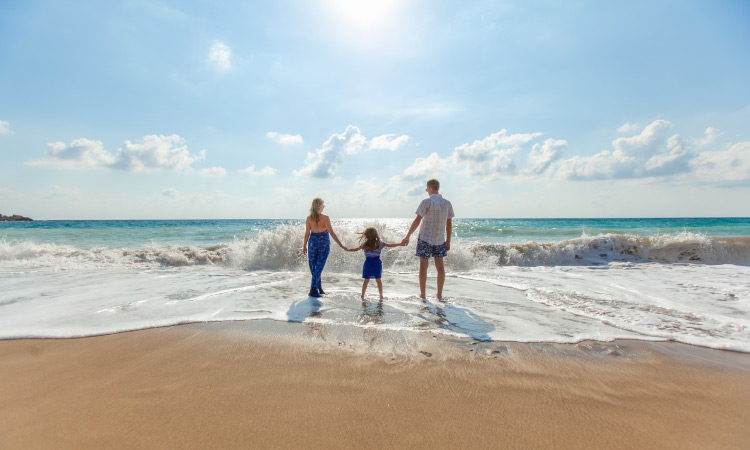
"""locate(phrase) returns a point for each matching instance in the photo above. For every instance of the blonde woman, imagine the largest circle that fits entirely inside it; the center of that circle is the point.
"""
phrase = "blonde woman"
(317, 245)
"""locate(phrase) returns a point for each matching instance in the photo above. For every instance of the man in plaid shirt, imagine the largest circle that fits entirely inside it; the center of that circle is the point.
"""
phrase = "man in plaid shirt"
(434, 240)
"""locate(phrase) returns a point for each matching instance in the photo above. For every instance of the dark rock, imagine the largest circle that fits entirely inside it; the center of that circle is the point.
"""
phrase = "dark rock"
(15, 218)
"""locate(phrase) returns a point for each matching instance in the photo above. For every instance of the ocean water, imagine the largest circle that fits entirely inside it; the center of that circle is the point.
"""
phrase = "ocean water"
(527, 280)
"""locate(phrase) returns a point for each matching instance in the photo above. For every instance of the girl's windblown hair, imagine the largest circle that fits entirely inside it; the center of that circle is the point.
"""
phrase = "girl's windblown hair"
(369, 239)
(315, 209)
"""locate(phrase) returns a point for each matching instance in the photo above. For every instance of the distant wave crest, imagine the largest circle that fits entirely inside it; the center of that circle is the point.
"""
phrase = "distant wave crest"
(281, 250)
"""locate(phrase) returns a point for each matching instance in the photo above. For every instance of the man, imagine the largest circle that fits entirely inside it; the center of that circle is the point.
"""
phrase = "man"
(434, 239)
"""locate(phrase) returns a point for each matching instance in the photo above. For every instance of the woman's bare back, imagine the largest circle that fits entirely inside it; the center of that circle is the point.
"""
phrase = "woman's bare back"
(320, 226)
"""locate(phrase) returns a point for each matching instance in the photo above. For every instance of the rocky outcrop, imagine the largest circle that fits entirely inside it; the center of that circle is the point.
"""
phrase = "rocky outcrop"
(14, 218)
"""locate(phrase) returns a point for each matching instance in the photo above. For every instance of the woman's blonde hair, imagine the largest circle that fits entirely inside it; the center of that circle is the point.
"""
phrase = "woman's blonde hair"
(371, 239)
(315, 209)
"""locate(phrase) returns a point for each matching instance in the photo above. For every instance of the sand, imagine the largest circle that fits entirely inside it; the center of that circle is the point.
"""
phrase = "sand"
(251, 385)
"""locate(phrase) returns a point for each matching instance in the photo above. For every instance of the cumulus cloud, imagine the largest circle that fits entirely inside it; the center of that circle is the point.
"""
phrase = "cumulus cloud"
(81, 154)
(151, 154)
(424, 168)
(728, 167)
(543, 155)
(264, 172)
(155, 153)
(650, 153)
(326, 160)
(220, 55)
(5, 127)
(492, 155)
(389, 142)
(284, 139)
(629, 128)
(213, 172)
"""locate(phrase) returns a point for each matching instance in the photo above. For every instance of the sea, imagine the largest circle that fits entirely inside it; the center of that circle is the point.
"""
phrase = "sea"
(518, 280)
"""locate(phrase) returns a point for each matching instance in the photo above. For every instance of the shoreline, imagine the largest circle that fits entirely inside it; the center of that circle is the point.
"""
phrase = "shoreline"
(282, 385)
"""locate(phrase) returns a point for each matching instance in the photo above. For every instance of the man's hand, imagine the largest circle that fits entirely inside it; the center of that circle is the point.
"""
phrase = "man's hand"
(405, 242)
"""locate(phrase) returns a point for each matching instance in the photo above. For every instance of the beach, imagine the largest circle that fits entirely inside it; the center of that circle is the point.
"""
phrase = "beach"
(265, 384)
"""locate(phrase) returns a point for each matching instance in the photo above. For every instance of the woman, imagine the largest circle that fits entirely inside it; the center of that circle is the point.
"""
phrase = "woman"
(317, 245)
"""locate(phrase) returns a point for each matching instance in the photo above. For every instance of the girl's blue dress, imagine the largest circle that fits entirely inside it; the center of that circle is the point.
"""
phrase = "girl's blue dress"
(373, 267)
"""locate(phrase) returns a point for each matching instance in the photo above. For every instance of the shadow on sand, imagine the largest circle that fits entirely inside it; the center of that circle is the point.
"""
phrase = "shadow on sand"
(459, 320)
(299, 311)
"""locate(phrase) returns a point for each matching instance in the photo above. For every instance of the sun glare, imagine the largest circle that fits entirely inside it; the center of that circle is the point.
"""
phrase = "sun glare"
(364, 15)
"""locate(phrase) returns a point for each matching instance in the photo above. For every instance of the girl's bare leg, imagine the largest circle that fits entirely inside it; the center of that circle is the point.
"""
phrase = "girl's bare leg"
(380, 287)
(364, 286)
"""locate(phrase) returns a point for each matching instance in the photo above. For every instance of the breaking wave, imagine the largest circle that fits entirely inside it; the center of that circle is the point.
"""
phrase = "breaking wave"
(281, 250)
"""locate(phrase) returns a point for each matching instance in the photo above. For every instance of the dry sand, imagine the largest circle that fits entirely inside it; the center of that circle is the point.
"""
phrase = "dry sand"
(240, 385)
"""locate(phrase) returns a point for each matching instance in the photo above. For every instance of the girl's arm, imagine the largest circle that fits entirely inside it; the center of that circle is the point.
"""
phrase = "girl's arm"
(395, 245)
(355, 249)
(333, 234)
(307, 236)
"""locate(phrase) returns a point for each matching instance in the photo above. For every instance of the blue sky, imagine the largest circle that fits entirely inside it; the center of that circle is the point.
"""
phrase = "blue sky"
(197, 109)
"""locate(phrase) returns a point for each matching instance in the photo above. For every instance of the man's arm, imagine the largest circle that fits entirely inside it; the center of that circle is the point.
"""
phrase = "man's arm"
(448, 231)
(414, 226)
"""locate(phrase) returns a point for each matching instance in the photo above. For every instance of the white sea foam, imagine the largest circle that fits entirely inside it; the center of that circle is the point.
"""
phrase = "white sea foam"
(282, 250)
(685, 287)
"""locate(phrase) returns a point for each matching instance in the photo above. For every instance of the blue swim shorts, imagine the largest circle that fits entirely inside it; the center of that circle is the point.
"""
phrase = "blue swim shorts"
(427, 251)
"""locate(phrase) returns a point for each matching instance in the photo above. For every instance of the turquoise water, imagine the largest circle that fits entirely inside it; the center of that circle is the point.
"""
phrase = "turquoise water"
(88, 234)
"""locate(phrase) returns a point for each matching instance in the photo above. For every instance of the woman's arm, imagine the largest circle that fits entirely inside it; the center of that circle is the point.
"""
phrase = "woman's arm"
(307, 236)
(333, 234)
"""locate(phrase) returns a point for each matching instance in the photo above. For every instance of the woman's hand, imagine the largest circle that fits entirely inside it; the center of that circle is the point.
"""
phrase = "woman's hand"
(304, 250)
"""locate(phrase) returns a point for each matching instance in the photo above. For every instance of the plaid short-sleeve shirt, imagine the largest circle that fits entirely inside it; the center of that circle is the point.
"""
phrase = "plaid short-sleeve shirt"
(435, 212)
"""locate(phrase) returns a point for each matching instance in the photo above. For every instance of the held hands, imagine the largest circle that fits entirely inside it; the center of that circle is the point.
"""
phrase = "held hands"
(405, 241)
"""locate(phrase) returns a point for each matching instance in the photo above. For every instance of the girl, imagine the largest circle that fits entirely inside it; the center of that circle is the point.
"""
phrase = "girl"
(373, 267)
(317, 245)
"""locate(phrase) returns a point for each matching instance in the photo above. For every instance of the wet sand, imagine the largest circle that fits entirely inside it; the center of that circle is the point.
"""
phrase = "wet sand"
(277, 385)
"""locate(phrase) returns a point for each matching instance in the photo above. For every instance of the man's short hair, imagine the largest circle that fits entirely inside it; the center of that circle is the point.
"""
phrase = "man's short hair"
(433, 184)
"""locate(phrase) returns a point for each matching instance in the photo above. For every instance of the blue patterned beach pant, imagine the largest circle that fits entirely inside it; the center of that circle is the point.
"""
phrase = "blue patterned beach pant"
(318, 247)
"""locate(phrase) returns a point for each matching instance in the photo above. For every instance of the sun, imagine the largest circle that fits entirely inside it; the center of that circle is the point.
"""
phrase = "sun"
(363, 15)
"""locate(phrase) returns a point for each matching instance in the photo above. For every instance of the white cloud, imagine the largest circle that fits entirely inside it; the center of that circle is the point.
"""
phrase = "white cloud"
(712, 134)
(491, 155)
(264, 172)
(155, 153)
(220, 55)
(213, 172)
(731, 166)
(543, 155)
(284, 139)
(5, 127)
(81, 154)
(150, 154)
(388, 142)
(674, 160)
(425, 168)
(645, 144)
(650, 153)
(629, 128)
(325, 161)
(170, 192)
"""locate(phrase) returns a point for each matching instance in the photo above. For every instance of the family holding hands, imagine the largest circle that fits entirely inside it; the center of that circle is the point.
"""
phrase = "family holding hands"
(434, 216)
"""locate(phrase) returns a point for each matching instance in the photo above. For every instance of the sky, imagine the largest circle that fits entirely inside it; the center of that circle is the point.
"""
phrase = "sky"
(249, 109)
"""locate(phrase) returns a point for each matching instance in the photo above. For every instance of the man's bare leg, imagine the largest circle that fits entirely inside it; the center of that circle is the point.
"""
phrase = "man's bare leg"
(423, 263)
(440, 277)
